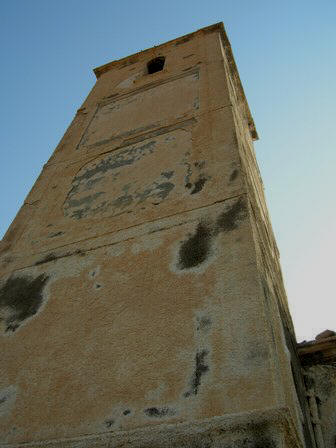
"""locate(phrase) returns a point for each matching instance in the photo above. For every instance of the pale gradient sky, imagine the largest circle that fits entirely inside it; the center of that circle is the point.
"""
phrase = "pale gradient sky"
(285, 52)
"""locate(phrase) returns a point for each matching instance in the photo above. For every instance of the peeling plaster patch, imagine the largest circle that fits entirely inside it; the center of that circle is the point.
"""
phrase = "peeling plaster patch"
(122, 201)
(159, 412)
(86, 201)
(201, 368)
(195, 250)
(102, 187)
(161, 190)
(20, 299)
(7, 399)
(77, 206)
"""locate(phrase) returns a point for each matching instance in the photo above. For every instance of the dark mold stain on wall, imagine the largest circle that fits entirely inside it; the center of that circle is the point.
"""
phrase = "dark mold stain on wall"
(21, 298)
(195, 186)
(194, 251)
(159, 412)
(230, 219)
(198, 185)
(201, 368)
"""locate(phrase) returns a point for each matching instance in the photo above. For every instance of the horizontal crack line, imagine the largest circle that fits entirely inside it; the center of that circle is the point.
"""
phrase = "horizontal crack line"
(77, 251)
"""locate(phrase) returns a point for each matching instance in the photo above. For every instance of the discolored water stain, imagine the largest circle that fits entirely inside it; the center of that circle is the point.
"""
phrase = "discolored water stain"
(20, 298)
(198, 185)
(195, 250)
(159, 412)
(230, 219)
(200, 369)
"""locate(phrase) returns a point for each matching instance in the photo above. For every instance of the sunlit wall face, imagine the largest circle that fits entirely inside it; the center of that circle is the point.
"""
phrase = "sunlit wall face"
(284, 51)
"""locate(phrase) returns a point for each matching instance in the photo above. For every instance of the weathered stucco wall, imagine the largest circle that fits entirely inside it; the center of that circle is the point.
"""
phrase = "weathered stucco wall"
(132, 300)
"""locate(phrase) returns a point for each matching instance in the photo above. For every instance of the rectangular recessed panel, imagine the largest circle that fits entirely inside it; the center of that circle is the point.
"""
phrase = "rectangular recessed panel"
(135, 179)
(143, 110)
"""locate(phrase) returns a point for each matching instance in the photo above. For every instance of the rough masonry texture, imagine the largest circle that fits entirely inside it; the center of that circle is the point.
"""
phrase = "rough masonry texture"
(141, 297)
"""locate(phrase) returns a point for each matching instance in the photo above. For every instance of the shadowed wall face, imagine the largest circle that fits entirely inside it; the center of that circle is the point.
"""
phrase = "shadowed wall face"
(130, 293)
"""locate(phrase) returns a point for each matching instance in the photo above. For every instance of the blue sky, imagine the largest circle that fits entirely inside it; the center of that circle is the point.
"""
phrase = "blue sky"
(285, 52)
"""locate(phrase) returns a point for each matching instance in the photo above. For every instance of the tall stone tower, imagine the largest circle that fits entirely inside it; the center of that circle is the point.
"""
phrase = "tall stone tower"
(141, 298)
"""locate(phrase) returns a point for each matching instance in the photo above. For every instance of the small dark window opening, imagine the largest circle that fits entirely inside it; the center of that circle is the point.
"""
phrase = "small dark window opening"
(155, 65)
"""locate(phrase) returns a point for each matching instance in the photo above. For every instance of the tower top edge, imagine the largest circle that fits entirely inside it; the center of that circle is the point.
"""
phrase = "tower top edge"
(98, 71)
(216, 27)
